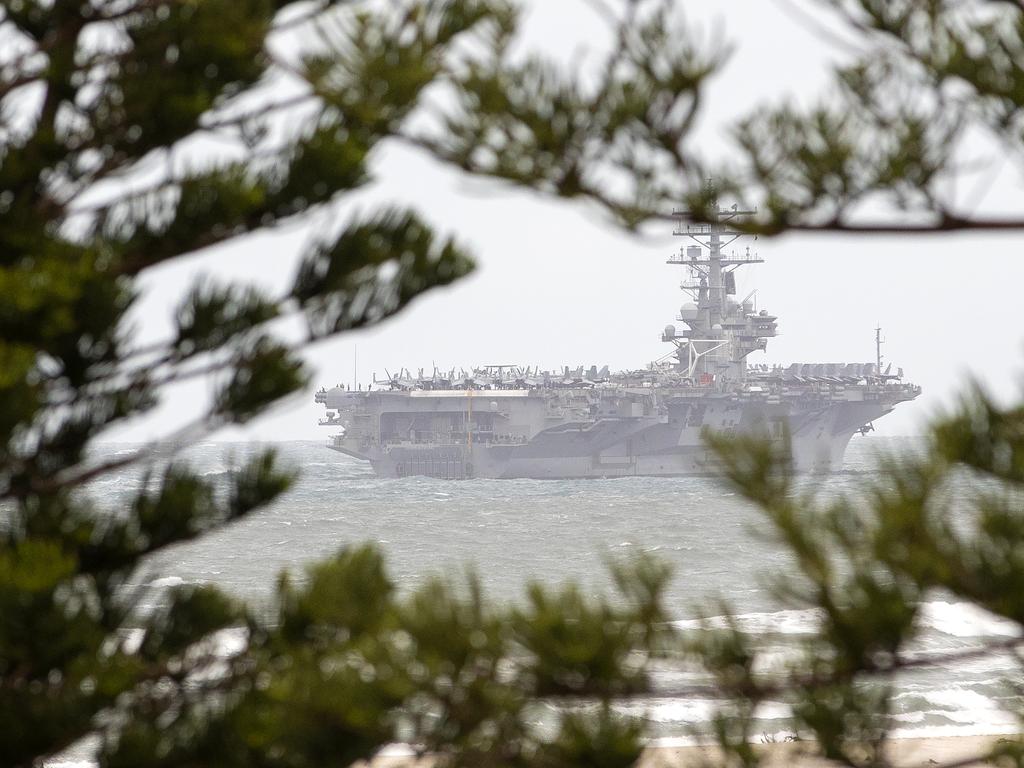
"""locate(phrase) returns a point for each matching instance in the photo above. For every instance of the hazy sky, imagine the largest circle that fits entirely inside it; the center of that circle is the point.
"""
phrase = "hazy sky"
(557, 285)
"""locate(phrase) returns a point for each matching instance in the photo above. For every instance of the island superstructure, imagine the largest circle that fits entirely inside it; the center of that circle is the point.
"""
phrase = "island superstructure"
(506, 421)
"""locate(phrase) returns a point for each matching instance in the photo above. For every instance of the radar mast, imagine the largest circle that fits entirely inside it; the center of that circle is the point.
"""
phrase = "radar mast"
(721, 331)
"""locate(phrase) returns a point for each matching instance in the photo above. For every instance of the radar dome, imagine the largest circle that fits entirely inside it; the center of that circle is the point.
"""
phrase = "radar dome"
(689, 312)
(670, 331)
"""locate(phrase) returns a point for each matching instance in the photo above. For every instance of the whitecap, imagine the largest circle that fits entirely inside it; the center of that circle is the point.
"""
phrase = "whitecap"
(672, 711)
(167, 581)
(965, 620)
(230, 642)
(953, 699)
(786, 622)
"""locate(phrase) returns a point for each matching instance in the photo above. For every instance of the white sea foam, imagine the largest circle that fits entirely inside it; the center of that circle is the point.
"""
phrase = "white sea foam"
(695, 711)
(786, 622)
(773, 710)
(397, 750)
(968, 708)
(167, 581)
(230, 642)
(928, 703)
(965, 620)
(674, 711)
(918, 716)
(131, 640)
(959, 699)
(957, 619)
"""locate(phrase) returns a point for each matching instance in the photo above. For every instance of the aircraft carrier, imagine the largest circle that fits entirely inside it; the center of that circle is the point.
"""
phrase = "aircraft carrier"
(505, 421)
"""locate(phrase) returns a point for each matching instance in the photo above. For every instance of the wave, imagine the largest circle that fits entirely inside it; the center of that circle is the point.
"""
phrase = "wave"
(785, 622)
(694, 711)
(167, 581)
(965, 620)
(955, 619)
(957, 699)
(925, 704)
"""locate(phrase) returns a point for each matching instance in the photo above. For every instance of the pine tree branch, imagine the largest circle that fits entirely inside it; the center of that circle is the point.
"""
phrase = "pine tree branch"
(178, 441)
(256, 114)
(807, 20)
(947, 223)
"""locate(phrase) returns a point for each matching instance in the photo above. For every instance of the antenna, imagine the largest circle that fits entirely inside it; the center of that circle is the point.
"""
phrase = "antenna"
(720, 334)
(879, 341)
(355, 366)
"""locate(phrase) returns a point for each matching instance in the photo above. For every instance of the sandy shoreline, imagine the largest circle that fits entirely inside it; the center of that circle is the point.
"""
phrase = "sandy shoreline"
(906, 753)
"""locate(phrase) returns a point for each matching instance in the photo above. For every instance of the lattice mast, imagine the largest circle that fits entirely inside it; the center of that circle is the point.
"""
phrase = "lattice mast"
(721, 331)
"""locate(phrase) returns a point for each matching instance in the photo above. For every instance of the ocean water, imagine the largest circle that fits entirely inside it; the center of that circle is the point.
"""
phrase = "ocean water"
(513, 531)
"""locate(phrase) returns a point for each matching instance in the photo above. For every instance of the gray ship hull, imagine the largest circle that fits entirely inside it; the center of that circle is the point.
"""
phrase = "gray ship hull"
(665, 444)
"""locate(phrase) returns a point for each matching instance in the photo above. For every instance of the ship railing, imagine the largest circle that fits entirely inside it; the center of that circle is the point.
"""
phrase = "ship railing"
(679, 258)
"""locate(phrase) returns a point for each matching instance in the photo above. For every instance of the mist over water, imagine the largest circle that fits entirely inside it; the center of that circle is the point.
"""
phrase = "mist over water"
(512, 531)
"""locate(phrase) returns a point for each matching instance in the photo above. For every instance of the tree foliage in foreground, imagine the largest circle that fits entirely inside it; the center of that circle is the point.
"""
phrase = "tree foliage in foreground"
(945, 521)
(136, 132)
(921, 116)
(107, 113)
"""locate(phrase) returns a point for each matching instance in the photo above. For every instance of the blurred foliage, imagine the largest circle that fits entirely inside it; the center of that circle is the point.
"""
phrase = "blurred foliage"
(344, 665)
(864, 565)
(137, 132)
(108, 111)
(927, 100)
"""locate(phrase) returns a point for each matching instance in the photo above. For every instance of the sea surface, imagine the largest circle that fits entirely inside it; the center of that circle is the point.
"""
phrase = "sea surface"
(513, 531)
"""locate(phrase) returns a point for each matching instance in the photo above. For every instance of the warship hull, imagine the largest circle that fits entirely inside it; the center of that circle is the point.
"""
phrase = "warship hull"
(659, 436)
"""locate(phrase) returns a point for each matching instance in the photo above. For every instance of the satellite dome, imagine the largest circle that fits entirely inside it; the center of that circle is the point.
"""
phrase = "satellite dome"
(689, 312)
(670, 331)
